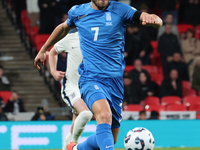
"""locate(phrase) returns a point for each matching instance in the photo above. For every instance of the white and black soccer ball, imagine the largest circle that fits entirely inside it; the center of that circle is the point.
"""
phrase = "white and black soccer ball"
(139, 139)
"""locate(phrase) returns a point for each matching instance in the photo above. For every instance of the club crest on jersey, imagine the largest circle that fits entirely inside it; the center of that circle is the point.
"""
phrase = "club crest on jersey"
(108, 19)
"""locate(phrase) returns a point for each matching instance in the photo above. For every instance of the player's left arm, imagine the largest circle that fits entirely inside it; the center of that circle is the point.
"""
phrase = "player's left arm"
(53, 57)
(150, 20)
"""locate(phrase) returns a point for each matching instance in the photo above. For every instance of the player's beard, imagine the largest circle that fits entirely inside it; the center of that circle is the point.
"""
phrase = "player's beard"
(101, 4)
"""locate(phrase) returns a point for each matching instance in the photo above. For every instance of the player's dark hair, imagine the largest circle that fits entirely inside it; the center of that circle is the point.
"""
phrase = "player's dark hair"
(142, 112)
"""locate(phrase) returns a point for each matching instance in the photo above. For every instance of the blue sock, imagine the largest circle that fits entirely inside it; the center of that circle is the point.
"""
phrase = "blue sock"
(104, 137)
(89, 144)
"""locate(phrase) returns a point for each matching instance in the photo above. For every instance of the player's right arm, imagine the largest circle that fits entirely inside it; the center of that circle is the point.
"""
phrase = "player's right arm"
(59, 32)
(53, 57)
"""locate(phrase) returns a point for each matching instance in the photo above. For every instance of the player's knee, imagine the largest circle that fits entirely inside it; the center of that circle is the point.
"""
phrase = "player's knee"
(105, 117)
(86, 115)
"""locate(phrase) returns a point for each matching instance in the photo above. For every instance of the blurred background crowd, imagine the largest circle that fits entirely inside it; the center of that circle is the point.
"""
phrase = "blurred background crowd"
(160, 62)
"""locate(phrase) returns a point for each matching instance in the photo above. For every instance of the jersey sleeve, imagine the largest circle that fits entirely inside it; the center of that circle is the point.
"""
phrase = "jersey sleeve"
(62, 45)
(127, 13)
(71, 17)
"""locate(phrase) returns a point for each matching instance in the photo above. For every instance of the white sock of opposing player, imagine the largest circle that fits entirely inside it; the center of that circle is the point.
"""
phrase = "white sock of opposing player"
(67, 141)
(79, 124)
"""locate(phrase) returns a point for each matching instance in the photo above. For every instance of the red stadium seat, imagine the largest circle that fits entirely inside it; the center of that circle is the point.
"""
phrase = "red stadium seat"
(197, 32)
(188, 100)
(156, 77)
(186, 85)
(5, 95)
(32, 32)
(129, 68)
(176, 107)
(195, 107)
(24, 15)
(168, 100)
(133, 107)
(184, 27)
(152, 100)
(189, 92)
(157, 108)
(150, 68)
(154, 45)
(40, 39)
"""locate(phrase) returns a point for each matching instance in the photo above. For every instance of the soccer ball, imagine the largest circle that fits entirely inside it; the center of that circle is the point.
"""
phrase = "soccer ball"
(139, 139)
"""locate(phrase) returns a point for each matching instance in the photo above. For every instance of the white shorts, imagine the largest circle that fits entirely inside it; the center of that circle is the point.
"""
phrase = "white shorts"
(70, 97)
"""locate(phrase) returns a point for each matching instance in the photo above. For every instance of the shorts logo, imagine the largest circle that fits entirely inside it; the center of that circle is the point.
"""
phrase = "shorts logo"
(73, 95)
(96, 87)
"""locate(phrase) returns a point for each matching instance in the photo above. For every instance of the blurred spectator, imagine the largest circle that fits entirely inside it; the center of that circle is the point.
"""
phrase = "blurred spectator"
(180, 66)
(33, 11)
(47, 16)
(169, 7)
(4, 82)
(144, 88)
(2, 104)
(168, 44)
(137, 70)
(39, 114)
(19, 5)
(2, 115)
(62, 7)
(154, 115)
(142, 115)
(42, 114)
(168, 20)
(171, 86)
(138, 3)
(14, 104)
(128, 89)
(47, 113)
(191, 50)
(196, 76)
(137, 44)
(191, 12)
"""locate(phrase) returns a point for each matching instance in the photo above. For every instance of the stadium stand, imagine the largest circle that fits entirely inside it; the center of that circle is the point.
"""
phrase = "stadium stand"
(176, 107)
(152, 100)
(168, 100)
(133, 107)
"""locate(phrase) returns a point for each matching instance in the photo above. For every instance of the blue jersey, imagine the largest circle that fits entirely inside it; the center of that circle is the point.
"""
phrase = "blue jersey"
(101, 34)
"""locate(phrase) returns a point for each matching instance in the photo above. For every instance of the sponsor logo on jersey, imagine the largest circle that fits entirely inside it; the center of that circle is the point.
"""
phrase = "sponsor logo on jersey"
(80, 17)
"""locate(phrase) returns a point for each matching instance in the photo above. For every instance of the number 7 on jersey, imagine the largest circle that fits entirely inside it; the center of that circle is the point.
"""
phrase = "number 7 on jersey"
(96, 29)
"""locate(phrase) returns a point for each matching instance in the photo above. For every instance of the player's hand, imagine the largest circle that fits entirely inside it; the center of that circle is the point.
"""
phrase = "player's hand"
(39, 59)
(151, 20)
(58, 75)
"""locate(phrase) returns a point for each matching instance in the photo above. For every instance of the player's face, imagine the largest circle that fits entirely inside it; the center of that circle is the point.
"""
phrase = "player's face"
(100, 4)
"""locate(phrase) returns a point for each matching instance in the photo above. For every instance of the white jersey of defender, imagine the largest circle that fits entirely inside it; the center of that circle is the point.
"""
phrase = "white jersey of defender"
(71, 45)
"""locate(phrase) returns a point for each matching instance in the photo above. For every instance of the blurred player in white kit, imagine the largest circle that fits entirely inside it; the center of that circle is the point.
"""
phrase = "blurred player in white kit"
(70, 91)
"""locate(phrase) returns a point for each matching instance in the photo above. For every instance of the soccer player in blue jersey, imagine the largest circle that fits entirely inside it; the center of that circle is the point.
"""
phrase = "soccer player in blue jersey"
(101, 25)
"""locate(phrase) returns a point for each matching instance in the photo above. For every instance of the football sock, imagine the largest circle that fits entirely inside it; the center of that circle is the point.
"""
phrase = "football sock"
(89, 144)
(104, 137)
(67, 140)
(79, 124)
